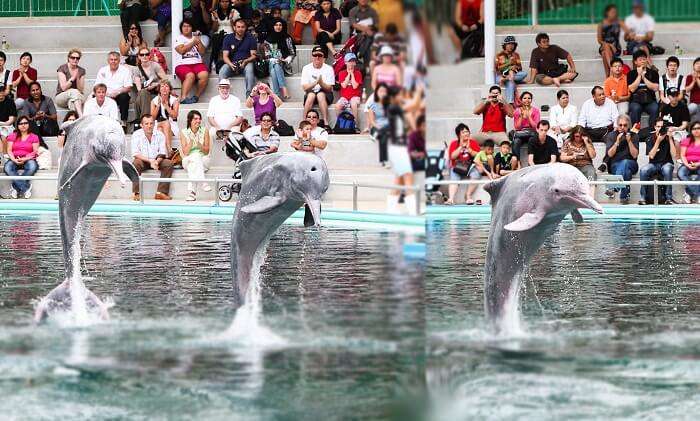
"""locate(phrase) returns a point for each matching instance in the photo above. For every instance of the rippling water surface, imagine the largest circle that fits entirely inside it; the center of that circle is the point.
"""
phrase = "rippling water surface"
(346, 302)
(611, 311)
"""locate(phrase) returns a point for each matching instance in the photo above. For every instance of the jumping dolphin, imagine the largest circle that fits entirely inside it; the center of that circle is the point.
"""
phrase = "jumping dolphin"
(273, 188)
(95, 147)
(527, 206)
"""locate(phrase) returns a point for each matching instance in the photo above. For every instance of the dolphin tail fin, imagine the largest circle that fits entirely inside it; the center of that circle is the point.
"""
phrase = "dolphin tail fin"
(82, 167)
(130, 171)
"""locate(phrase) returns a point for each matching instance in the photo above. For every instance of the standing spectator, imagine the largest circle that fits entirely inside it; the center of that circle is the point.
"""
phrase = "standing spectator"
(240, 51)
(195, 145)
(70, 91)
(41, 112)
(199, 18)
(690, 163)
(280, 51)
(350, 87)
(579, 152)
(525, 120)
(22, 77)
(100, 103)
(147, 81)
(149, 152)
(671, 79)
(675, 115)
(222, 22)
(305, 141)
(509, 68)
(461, 153)
(377, 119)
(545, 68)
(22, 150)
(327, 23)
(118, 80)
(189, 64)
(5, 75)
(303, 17)
(263, 100)
(609, 36)
(129, 46)
(622, 148)
(416, 145)
(132, 11)
(317, 81)
(662, 152)
(8, 115)
(505, 161)
(615, 86)
(386, 71)
(165, 108)
(468, 19)
(692, 89)
(640, 32)
(563, 117)
(643, 82)
(598, 115)
(542, 149)
(263, 135)
(224, 113)
(493, 111)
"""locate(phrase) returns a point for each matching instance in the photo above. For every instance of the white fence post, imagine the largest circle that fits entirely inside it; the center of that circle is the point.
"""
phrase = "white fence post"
(534, 11)
(489, 40)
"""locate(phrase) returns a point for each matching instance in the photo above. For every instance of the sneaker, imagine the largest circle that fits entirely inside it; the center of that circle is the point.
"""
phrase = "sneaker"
(206, 187)
(625, 201)
(610, 193)
(642, 202)
(188, 100)
(191, 197)
(687, 199)
(28, 193)
(603, 168)
(195, 99)
(13, 194)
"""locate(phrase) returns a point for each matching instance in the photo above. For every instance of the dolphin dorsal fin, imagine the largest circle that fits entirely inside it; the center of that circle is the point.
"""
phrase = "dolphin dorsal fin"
(494, 188)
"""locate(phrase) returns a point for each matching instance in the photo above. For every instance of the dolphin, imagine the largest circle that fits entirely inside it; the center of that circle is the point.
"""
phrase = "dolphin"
(95, 148)
(273, 187)
(527, 206)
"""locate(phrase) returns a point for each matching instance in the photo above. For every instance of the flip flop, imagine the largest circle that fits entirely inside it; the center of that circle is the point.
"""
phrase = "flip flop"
(478, 202)
(469, 202)
(574, 78)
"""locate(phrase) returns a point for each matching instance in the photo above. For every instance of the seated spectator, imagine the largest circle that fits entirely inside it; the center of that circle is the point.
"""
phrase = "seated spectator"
(263, 136)
(692, 89)
(100, 103)
(484, 161)
(690, 163)
(165, 108)
(161, 11)
(350, 87)
(61, 138)
(386, 71)
(70, 92)
(8, 115)
(240, 51)
(22, 77)
(493, 111)
(643, 82)
(317, 81)
(662, 154)
(149, 152)
(195, 145)
(22, 150)
(640, 30)
(5, 75)
(132, 11)
(147, 79)
(598, 115)
(545, 68)
(258, 28)
(609, 36)
(461, 153)
(222, 21)
(525, 120)
(505, 161)
(245, 8)
(279, 51)
(188, 63)
(392, 39)
(671, 79)
(675, 115)
(117, 78)
(263, 100)
(563, 117)
(317, 131)
(364, 22)
(200, 19)
(509, 68)
(622, 148)
(41, 112)
(416, 145)
(327, 24)
(224, 113)
(130, 45)
(282, 7)
(615, 86)
(542, 149)
(579, 152)
(304, 140)
(303, 17)
(468, 18)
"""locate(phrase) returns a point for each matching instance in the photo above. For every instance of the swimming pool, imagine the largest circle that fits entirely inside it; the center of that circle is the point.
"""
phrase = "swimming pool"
(346, 303)
(611, 329)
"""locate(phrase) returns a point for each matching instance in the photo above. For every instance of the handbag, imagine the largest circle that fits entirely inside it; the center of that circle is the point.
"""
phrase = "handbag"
(43, 158)
(261, 69)
(559, 70)
(462, 168)
(176, 159)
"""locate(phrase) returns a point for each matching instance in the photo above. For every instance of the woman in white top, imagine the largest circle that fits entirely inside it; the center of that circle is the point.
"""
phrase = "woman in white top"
(129, 47)
(563, 118)
(164, 109)
(195, 145)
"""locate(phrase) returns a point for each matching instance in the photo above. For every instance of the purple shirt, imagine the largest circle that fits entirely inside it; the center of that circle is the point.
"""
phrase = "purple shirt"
(328, 23)
(259, 109)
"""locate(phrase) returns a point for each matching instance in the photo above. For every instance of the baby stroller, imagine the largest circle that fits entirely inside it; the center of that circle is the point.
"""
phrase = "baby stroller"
(434, 169)
(239, 149)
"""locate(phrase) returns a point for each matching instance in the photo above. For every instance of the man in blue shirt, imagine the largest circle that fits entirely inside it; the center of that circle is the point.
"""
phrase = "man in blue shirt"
(239, 54)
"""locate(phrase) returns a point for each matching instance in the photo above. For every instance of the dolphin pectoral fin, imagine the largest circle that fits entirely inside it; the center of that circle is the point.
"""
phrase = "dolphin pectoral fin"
(82, 167)
(528, 221)
(130, 171)
(576, 216)
(264, 204)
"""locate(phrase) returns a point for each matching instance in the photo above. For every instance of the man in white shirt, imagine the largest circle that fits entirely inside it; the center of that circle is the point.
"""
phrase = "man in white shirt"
(224, 113)
(149, 152)
(319, 135)
(641, 29)
(317, 81)
(100, 103)
(118, 80)
(598, 115)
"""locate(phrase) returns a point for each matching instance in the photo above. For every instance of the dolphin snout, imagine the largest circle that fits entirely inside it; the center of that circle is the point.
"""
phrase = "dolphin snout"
(313, 206)
(116, 166)
(585, 201)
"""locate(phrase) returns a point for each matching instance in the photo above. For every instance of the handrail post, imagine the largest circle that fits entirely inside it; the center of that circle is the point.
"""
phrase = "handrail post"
(418, 200)
(656, 192)
(216, 192)
(354, 196)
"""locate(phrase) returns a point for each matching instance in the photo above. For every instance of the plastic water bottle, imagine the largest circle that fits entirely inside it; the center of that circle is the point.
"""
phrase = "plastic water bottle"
(677, 48)
(364, 95)
(5, 46)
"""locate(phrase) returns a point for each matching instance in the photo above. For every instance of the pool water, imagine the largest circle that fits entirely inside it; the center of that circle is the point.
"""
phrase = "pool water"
(346, 303)
(610, 316)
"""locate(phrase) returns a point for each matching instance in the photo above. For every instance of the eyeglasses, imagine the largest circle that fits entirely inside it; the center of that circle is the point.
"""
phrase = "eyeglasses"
(22, 123)
(74, 57)
(312, 117)
(696, 128)
(622, 125)
(143, 54)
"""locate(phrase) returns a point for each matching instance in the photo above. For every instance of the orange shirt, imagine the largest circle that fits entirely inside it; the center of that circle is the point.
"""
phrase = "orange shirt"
(619, 85)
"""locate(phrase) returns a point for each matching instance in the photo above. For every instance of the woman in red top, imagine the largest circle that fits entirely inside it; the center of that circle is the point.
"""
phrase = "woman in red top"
(469, 14)
(23, 148)
(461, 153)
(22, 77)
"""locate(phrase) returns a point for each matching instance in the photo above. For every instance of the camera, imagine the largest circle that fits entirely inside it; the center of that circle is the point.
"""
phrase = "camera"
(197, 33)
(663, 131)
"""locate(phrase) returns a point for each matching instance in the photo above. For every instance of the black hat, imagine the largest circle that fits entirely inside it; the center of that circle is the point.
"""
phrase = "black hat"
(318, 49)
(510, 39)
(672, 91)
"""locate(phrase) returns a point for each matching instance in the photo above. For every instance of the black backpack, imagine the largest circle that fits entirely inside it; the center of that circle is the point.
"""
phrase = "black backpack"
(284, 129)
(345, 124)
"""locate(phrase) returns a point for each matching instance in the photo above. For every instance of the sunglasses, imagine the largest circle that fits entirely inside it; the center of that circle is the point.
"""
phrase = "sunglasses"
(22, 123)
(74, 57)
(696, 128)
(266, 120)
(314, 117)
(143, 54)
(317, 55)
(133, 28)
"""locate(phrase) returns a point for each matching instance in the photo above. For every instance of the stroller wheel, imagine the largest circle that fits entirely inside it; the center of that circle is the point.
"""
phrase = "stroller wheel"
(225, 193)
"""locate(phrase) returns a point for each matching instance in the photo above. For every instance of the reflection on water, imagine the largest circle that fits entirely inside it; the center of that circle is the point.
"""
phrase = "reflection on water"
(347, 303)
(611, 315)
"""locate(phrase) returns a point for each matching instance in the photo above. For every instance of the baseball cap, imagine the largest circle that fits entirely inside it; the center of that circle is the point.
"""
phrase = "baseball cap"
(350, 56)
(318, 49)
(224, 82)
(672, 91)
(638, 3)
(2, 86)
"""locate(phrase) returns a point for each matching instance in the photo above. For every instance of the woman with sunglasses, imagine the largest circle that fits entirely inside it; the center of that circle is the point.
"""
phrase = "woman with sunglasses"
(164, 109)
(147, 78)
(690, 157)
(22, 77)
(22, 148)
(195, 145)
(70, 92)
(130, 45)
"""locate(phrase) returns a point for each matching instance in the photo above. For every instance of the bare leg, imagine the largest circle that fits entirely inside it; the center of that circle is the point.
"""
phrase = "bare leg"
(323, 106)
(186, 86)
(607, 55)
(309, 103)
(202, 80)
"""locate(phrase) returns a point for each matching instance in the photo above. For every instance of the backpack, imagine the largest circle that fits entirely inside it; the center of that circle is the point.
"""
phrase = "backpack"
(159, 58)
(345, 124)
(284, 129)
(473, 44)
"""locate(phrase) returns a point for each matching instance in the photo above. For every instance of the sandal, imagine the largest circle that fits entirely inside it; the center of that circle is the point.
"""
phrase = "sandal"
(478, 202)
(469, 202)
(191, 197)
(449, 202)
(574, 78)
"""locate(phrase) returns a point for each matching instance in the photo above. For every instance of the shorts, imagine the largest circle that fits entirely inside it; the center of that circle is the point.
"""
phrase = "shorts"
(400, 160)
(184, 69)
(634, 46)
(328, 95)
(344, 103)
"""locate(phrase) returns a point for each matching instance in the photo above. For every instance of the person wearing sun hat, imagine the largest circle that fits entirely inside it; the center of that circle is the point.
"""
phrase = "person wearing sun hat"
(509, 68)
(386, 71)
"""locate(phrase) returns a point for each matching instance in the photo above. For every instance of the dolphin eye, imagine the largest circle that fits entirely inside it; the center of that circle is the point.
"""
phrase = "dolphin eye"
(556, 190)
(313, 168)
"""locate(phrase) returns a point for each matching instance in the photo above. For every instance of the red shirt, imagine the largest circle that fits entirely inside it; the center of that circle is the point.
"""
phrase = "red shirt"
(494, 118)
(695, 92)
(23, 87)
(473, 144)
(349, 92)
(471, 11)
